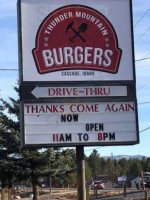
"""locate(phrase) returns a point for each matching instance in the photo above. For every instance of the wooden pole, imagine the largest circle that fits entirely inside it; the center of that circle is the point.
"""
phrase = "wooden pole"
(125, 189)
(144, 189)
(81, 185)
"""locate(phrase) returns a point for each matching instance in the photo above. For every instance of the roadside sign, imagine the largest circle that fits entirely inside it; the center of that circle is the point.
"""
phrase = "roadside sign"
(69, 124)
(63, 41)
(85, 91)
(77, 75)
(122, 179)
(77, 71)
(102, 91)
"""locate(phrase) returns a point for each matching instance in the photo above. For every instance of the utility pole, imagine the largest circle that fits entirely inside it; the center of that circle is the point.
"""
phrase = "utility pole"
(81, 185)
(112, 169)
(144, 189)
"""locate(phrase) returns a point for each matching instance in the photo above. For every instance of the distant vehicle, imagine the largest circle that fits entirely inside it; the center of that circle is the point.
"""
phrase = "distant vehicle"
(117, 186)
(97, 185)
(43, 185)
(139, 183)
(147, 179)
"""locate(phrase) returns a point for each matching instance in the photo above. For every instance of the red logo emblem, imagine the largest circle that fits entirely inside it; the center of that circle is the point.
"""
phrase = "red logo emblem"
(76, 37)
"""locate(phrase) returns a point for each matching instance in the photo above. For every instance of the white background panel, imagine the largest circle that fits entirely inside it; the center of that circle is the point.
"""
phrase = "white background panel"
(111, 9)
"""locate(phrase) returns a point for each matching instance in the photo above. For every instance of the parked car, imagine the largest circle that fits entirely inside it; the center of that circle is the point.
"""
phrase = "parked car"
(97, 185)
(139, 184)
(118, 186)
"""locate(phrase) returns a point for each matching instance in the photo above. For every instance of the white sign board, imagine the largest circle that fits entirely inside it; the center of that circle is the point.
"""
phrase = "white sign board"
(68, 124)
(93, 91)
(122, 179)
(89, 41)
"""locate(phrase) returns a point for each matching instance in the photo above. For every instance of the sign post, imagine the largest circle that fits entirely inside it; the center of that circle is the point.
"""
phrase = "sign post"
(77, 75)
(81, 183)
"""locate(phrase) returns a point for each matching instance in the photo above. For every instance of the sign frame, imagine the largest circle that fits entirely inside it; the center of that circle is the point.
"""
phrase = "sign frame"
(27, 86)
(79, 144)
(81, 81)
(131, 90)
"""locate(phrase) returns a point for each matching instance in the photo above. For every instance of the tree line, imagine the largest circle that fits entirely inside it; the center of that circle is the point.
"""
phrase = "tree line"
(113, 168)
(26, 166)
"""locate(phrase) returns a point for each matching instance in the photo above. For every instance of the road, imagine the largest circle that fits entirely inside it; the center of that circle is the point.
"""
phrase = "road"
(132, 196)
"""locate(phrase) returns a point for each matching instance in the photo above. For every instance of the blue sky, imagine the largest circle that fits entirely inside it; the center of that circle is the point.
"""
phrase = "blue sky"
(9, 59)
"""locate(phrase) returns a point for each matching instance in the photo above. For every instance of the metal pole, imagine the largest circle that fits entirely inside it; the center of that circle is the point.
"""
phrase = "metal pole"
(81, 185)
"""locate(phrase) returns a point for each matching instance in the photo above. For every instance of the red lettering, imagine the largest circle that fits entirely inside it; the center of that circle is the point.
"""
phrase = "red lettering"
(84, 108)
(75, 92)
(96, 107)
(72, 108)
(112, 108)
(28, 108)
(86, 90)
(55, 137)
(48, 109)
(100, 91)
(80, 108)
(35, 108)
(100, 137)
(68, 91)
(131, 107)
(121, 108)
(51, 92)
(55, 107)
(61, 108)
(58, 91)
(108, 108)
(42, 109)
(90, 108)
(106, 91)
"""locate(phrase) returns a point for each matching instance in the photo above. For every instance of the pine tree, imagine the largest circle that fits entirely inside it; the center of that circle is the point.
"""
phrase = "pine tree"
(88, 172)
(9, 142)
(103, 166)
(26, 164)
(94, 163)
(124, 166)
(117, 170)
(134, 167)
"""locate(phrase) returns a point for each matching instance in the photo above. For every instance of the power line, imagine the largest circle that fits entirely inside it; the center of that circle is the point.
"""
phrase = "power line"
(141, 17)
(142, 59)
(144, 103)
(143, 85)
(9, 69)
(142, 35)
(104, 146)
(137, 60)
(146, 54)
(135, 41)
(6, 69)
(144, 129)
